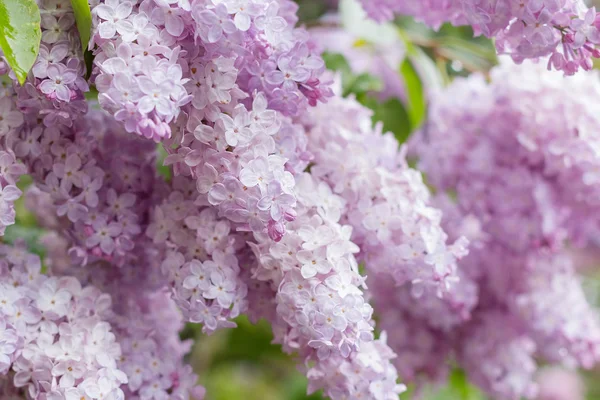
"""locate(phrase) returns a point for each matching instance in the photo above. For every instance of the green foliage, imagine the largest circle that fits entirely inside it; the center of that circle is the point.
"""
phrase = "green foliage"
(20, 35)
(83, 17)
(392, 114)
(458, 388)
(351, 83)
(450, 44)
(417, 106)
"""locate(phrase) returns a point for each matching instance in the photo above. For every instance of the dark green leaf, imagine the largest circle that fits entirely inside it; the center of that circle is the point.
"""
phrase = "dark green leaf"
(391, 113)
(83, 17)
(417, 106)
(20, 35)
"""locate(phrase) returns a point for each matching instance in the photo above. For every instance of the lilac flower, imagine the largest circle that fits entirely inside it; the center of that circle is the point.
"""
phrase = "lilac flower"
(57, 84)
(114, 14)
(103, 236)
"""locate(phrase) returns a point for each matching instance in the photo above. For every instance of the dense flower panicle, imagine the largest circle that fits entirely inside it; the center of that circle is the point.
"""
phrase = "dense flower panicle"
(566, 31)
(550, 301)
(203, 257)
(55, 340)
(156, 57)
(522, 192)
(217, 81)
(498, 357)
(387, 203)
(249, 181)
(320, 311)
(11, 170)
(368, 374)
(531, 180)
(102, 201)
(422, 349)
(147, 326)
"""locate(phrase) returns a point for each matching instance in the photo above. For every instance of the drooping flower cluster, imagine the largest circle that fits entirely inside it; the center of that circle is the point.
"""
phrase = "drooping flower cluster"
(219, 78)
(522, 191)
(102, 201)
(55, 340)
(147, 326)
(320, 310)
(532, 180)
(394, 225)
(203, 257)
(566, 31)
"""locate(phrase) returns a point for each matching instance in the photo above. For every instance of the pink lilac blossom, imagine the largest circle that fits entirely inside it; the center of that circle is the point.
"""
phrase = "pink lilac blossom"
(217, 81)
(55, 87)
(319, 309)
(565, 31)
(147, 326)
(522, 192)
(388, 206)
(157, 59)
(102, 201)
(55, 341)
(530, 180)
(203, 256)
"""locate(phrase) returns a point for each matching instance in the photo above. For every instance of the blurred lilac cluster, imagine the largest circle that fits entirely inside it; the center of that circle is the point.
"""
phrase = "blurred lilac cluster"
(564, 31)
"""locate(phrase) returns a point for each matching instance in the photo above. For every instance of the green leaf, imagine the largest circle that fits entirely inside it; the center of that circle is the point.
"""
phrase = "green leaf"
(20, 35)
(83, 17)
(336, 62)
(417, 106)
(474, 56)
(458, 388)
(391, 113)
(361, 84)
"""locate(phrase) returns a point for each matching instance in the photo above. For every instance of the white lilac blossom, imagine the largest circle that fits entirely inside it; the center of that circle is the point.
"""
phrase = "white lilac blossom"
(564, 31)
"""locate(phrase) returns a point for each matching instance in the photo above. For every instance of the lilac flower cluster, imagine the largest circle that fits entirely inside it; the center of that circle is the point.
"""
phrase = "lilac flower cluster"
(157, 58)
(55, 87)
(147, 326)
(566, 31)
(320, 311)
(387, 203)
(202, 258)
(55, 340)
(522, 192)
(100, 200)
